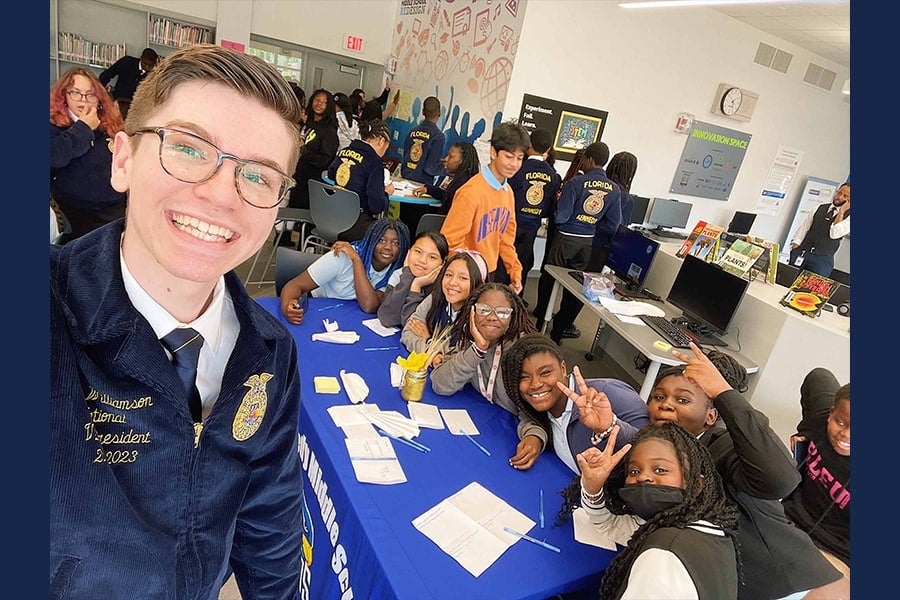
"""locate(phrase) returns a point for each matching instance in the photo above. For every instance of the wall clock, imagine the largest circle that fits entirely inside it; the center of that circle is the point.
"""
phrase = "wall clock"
(731, 101)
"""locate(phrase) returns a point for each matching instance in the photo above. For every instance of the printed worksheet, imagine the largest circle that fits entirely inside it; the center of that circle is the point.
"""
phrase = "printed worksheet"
(374, 461)
(469, 527)
(426, 415)
(458, 421)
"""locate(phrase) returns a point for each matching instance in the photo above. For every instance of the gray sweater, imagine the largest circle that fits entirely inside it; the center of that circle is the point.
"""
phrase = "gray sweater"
(399, 302)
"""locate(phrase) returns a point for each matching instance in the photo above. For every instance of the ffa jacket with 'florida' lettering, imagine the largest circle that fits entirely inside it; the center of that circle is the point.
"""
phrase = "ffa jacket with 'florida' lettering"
(534, 186)
(422, 153)
(590, 203)
(138, 508)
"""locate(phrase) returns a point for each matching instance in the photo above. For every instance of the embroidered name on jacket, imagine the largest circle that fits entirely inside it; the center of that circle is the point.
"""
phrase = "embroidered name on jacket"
(105, 411)
(252, 409)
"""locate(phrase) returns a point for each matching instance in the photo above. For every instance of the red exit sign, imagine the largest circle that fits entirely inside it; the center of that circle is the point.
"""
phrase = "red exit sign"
(351, 42)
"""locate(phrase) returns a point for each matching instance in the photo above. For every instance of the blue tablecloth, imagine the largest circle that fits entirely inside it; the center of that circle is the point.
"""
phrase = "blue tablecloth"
(364, 543)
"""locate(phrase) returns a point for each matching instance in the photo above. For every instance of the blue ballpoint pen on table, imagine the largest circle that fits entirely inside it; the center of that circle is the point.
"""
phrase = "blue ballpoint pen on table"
(542, 509)
(471, 439)
(418, 446)
(531, 539)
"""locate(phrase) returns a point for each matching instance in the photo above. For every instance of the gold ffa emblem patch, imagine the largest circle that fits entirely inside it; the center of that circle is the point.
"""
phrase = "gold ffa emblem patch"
(342, 176)
(593, 204)
(252, 409)
(111, 144)
(535, 194)
(415, 153)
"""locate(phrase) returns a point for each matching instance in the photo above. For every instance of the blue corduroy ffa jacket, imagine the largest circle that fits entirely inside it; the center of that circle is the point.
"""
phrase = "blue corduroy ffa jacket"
(137, 510)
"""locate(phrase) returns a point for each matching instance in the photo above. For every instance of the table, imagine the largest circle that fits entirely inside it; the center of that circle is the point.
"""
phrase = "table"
(406, 207)
(370, 548)
(640, 337)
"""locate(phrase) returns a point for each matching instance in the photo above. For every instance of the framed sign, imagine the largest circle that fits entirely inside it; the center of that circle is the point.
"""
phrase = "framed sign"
(573, 127)
(710, 161)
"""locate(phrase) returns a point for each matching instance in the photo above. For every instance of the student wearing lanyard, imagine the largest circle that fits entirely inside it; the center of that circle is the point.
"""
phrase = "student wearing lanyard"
(492, 319)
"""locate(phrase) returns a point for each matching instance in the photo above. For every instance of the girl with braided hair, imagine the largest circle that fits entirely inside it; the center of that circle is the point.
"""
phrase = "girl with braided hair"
(535, 377)
(662, 493)
(704, 397)
(358, 270)
(490, 321)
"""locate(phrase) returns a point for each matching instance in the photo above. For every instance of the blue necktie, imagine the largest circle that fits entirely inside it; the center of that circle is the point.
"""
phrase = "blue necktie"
(184, 344)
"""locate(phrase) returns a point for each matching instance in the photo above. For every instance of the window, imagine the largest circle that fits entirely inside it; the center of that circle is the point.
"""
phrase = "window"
(288, 62)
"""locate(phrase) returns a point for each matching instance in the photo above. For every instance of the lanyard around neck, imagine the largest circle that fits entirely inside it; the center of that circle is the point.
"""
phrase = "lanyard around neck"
(495, 365)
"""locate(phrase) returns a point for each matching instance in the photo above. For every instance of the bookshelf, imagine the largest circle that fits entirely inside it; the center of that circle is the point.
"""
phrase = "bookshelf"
(96, 33)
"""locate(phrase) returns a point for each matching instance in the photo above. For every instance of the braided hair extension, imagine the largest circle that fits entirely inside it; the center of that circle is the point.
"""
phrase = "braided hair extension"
(704, 498)
(366, 246)
(621, 169)
(519, 323)
(731, 370)
(469, 165)
(511, 367)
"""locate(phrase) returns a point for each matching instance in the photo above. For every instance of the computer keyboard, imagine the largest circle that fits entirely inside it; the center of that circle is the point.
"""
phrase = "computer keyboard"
(670, 332)
(664, 233)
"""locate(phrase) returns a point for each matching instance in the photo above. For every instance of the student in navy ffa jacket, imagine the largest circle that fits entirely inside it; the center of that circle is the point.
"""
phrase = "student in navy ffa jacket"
(149, 498)
(359, 168)
(424, 146)
(589, 206)
(534, 187)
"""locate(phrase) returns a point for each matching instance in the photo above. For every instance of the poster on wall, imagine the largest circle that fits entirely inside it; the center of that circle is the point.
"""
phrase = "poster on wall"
(710, 161)
(573, 127)
(460, 52)
(781, 176)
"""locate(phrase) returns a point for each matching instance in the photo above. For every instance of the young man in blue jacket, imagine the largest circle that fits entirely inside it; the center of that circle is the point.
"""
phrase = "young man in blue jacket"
(424, 146)
(166, 475)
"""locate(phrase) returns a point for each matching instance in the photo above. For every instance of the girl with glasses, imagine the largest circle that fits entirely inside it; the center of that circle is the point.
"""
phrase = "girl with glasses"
(83, 122)
(490, 321)
(463, 272)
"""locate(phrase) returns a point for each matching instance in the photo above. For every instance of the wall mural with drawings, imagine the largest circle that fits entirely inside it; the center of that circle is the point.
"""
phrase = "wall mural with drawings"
(460, 51)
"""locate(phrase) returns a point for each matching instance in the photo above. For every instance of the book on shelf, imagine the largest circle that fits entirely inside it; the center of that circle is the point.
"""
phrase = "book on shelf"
(740, 257)
(766, 265)
(703, 242)
(809, 292)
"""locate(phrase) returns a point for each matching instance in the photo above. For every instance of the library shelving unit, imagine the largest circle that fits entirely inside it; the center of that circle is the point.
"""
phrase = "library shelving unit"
(96, 33)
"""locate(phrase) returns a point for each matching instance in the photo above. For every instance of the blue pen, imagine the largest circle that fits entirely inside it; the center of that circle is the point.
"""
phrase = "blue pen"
(329, 306)
(471, 439)
(531, 539)
(542, 509)
(373, 458)
(382, 348)
(416, 445)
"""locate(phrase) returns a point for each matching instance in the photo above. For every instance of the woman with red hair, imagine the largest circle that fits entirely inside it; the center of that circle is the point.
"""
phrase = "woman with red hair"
(84, 120)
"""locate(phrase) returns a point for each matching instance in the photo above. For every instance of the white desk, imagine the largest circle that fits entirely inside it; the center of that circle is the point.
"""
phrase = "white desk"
(639, 337)
(784, 343)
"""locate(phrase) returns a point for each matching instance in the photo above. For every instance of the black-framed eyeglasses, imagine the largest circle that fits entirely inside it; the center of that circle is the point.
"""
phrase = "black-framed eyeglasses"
(86, 96)
(502, 312)
(191, 159)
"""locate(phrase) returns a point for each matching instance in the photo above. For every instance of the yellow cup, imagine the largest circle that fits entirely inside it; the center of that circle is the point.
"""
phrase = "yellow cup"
(413, 385)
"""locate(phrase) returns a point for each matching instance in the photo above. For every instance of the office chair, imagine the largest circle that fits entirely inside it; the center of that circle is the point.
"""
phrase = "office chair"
(289, 263)
(430, 222)
(334, 210)
(302, 216)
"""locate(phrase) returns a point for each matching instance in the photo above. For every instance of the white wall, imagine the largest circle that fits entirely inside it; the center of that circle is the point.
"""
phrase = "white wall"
(646, 66)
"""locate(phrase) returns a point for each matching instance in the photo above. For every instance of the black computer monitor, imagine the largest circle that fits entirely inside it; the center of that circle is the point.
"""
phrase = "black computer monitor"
(665, 212)
(706, 294)
(638, 212)
(630, 256)
(741, 223)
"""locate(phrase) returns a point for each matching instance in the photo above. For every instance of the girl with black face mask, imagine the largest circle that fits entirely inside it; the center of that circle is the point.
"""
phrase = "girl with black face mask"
(663, 496)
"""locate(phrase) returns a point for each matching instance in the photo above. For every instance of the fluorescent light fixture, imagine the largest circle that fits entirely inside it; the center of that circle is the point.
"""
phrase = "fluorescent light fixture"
(846, 88)
(680, 3)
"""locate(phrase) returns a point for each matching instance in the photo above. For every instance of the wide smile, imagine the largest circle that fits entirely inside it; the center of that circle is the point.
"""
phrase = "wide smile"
(201, 229)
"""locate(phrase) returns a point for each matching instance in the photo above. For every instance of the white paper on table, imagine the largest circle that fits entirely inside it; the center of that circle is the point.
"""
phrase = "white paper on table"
(349, 414)
(394, 423)
(630, 320)
(374, 461)
(376, 326)
(361, 431)
(587, 533)
(631, 308)
(331, 325)
(459, 422)
(355, 386)
(426, 415)
(469, 527)
(401, 185)
(336, 337)
(396, 375)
